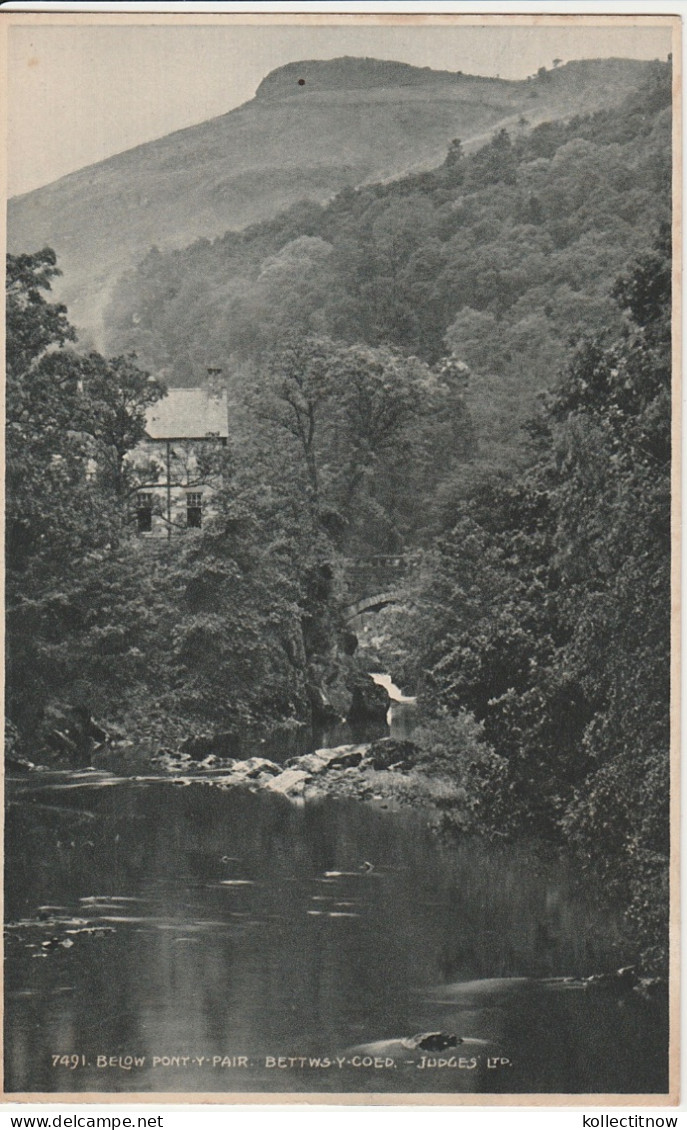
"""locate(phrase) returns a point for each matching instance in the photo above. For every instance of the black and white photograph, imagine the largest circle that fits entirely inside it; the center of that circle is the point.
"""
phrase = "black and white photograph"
(342, 460)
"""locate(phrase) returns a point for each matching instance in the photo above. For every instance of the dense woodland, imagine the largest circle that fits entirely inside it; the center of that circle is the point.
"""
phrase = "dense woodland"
(381, 352)
(501, 256)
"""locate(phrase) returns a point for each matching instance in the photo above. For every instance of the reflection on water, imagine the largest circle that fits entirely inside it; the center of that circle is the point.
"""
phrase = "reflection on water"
(228, 929)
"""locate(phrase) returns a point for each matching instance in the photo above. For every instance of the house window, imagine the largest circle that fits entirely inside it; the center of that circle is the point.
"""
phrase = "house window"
(194, 510)
(144, 512)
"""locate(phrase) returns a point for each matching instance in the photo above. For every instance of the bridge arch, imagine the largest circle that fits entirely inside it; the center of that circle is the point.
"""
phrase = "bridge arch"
(374, 583)
(373, 603)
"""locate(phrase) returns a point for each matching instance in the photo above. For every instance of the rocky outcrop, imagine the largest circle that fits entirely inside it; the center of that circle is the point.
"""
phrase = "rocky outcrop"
(322, 710)
(301, 771)
(348, 73)
(70, 734)
(373, 772)
(341, 757)
(369, 702)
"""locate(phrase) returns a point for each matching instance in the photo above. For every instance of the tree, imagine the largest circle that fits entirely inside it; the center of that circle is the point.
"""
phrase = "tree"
(66, 414)
(115, 396)
(297, 384)
(33, 325)
(361, 426)
(455, 153)
(46, 458)
(494, 163)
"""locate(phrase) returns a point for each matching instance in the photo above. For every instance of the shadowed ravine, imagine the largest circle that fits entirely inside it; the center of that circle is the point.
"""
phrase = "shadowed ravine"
(164, 920)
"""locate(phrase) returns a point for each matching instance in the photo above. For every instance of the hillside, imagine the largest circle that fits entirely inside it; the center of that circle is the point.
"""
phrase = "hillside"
(500, 256)
(351, 122)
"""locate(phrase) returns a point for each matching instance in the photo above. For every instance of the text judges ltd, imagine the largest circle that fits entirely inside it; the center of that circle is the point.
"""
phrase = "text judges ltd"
(284, 1063)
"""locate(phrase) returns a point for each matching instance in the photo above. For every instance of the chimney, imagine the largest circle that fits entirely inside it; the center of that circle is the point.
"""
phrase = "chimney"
(216, 386)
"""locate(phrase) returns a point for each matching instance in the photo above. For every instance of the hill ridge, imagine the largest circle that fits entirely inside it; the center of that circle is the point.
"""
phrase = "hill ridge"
(248, 164)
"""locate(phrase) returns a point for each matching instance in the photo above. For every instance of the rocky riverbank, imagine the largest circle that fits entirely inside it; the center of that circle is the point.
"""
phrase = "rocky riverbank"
(385, 773)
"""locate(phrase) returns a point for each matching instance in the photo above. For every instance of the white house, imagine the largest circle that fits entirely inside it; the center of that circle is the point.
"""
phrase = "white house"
(177, 460)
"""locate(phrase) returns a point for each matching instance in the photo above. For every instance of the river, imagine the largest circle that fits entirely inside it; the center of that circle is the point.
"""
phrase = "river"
(179, 937)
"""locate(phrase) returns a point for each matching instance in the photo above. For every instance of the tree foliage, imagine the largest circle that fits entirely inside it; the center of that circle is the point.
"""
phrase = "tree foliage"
(364, 435)
(217, 632)
(544, 609)
(66, 416)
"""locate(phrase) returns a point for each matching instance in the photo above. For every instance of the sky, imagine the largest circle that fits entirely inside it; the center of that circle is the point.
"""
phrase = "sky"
(78, 94)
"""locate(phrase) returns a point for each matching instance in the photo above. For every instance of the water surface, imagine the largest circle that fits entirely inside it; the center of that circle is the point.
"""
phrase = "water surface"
(154, 920)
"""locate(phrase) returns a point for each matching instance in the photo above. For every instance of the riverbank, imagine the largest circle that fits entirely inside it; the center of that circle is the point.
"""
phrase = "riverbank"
(383, 773)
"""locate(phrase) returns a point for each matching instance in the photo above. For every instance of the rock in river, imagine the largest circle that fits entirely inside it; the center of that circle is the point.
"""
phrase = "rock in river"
(415, 1045)
(340, 757)
(290, 783)
(255, 767)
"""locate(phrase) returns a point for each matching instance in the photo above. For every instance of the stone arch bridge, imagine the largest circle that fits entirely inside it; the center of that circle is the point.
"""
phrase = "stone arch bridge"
(374, 583)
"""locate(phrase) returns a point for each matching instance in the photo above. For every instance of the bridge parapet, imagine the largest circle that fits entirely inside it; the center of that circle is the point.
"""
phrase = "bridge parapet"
(381, 560)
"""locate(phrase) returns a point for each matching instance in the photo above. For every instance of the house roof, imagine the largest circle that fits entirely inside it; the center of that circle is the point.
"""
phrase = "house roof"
(188, 413)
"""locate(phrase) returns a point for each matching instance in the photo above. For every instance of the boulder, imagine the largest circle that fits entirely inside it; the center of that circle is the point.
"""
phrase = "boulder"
(346, 756)
(255, 767)
(369, 702)
(290, 783)
(214, 762)
(341, 757)
(312, 763)
(431, 1042)
(170, 761)
(386, 753)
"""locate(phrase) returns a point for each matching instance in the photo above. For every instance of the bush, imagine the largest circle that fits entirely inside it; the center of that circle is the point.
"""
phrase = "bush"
(451, 743)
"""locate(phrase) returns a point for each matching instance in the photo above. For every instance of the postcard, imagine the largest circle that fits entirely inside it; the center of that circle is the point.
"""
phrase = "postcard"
(341, 647)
